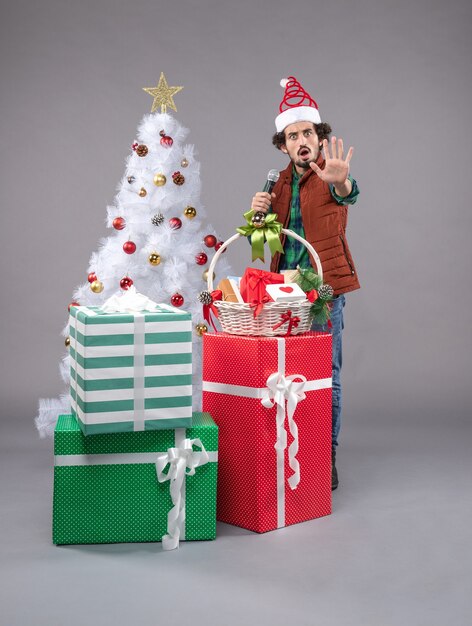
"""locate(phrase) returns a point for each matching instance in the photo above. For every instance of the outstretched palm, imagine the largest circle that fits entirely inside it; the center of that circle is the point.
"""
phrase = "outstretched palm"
(336, 168)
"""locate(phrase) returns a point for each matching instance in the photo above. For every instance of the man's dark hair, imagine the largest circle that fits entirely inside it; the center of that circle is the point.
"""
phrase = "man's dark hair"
(322, 130)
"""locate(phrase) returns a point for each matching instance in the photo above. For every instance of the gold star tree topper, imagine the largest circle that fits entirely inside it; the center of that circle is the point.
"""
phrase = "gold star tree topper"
(163, 95)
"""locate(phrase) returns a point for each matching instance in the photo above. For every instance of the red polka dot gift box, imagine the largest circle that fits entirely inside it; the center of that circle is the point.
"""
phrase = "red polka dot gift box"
(271, 400)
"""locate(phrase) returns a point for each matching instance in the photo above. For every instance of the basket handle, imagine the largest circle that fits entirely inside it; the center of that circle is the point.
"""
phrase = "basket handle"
(286, 231)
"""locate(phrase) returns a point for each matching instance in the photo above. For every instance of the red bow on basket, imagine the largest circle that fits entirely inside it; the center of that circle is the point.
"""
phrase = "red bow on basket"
(292, 322)
(312, 295)
(258, 305)
(208, 309)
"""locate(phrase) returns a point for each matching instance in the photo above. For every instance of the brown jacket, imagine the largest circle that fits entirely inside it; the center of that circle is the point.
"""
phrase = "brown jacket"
(324, 222)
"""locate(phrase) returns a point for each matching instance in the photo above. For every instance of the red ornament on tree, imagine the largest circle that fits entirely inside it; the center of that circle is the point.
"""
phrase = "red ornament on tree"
(210, 241)
(135, 145)
(72, 304)
(201, 258)
(175, 223)
(166, 141)
(218, 246)
(91, 277)
(177, 300)
(129, 247)
(119, 223)
(126, 282)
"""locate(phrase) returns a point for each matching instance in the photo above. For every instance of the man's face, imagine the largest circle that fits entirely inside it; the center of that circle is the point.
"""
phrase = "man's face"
(301, 145)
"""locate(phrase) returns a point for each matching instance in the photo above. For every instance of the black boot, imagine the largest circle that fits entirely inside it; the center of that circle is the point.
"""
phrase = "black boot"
(334, 471)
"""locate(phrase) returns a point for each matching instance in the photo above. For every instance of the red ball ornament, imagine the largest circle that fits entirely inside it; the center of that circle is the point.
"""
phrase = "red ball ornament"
(175, 223)
(218, 246)
(119, 223)
(177, 300)
(91, 277)
(166, 141)
(126, 282)
(201, 258)
(210, 241)
(129, 247)
(72, 304)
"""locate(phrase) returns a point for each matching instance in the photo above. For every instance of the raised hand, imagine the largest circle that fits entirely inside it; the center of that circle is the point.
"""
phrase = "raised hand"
(336, 168)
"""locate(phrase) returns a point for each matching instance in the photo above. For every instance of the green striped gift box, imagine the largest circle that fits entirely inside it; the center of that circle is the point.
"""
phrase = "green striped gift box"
(106, 488)
(130, 371)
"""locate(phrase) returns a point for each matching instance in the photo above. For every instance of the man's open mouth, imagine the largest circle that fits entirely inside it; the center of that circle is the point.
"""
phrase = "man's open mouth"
(304, 152)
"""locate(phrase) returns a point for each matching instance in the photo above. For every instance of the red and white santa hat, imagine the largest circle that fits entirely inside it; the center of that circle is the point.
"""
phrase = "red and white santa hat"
(297, 105)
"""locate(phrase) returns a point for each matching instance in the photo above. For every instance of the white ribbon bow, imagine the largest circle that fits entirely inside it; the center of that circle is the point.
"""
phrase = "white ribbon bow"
(281, 389)
(182, 462)
(130, 301)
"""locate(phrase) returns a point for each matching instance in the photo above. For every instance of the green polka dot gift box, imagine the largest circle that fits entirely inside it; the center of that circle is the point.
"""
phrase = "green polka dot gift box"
(135, 486)
(130, 371)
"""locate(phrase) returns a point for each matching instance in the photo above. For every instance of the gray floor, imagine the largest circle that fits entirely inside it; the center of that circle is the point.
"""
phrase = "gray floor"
(396, 550)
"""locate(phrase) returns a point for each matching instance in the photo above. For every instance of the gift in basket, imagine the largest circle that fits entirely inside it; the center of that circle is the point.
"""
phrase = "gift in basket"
(260, 315)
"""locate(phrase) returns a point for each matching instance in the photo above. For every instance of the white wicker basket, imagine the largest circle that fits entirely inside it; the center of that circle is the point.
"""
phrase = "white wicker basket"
(238, 318)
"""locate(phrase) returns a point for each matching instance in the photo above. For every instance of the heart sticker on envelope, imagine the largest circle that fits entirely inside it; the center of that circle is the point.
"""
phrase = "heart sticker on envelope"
(288, 292)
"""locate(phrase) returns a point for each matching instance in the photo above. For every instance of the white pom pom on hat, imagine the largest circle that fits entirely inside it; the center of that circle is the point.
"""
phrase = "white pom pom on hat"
(305, 108)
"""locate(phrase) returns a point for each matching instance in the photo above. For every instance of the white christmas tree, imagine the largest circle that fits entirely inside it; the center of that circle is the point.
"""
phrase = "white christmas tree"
(160, 242)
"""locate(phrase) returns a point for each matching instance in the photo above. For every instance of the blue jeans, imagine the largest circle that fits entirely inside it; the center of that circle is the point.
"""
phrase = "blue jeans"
(337, 320)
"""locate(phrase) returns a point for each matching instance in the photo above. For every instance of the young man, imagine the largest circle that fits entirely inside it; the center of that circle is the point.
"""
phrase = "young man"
(311, 198)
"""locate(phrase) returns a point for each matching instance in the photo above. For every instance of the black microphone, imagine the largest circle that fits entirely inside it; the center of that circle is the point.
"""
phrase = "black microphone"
(272, 178)
(258, 219)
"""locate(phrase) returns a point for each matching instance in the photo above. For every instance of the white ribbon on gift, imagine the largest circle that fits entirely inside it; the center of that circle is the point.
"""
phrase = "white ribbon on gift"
(280, 389)
(182, 461)
(129, 301)
(283, 389)
(138, 360)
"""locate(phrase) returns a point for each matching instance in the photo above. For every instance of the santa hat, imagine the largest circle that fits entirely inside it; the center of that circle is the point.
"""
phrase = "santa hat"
(296, 106)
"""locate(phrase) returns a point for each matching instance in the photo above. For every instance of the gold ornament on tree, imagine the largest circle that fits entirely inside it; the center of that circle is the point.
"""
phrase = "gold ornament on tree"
(190, 212)
(184, 162)
(159, 180)
(205, 275)
(154, 258)
(201, 329)
(163, 95)
(142, 192)
(67, 342)
(96, 286)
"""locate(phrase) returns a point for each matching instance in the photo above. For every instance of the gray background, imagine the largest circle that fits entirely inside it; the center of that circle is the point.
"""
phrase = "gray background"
(393, 79)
